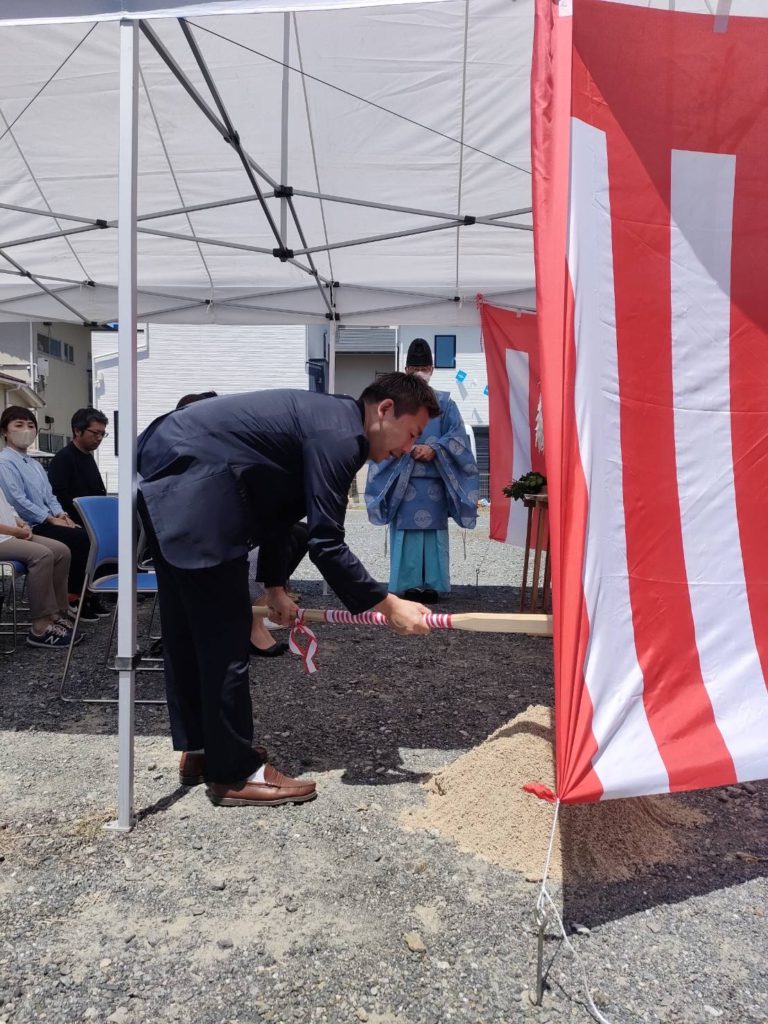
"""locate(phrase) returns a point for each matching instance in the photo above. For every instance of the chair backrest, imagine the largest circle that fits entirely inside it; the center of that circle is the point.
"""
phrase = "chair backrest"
(99, 515)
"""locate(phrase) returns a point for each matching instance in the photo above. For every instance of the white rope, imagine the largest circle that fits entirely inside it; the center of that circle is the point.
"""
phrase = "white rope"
(482, 562)
(544, 898)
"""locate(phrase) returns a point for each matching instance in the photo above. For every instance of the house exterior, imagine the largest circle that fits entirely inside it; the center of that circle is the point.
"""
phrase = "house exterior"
(176, 359)
(53, 361)
(63, 367)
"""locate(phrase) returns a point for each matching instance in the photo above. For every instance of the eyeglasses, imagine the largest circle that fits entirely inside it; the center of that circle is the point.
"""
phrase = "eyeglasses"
(96, 433)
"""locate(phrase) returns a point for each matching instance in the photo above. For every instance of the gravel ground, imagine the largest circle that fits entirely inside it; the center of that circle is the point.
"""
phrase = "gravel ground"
(223, 915)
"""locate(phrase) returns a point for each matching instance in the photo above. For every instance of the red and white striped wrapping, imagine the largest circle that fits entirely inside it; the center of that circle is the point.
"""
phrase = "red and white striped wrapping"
(301, 631)
(510, 342)
(651, 220)
(435, 620)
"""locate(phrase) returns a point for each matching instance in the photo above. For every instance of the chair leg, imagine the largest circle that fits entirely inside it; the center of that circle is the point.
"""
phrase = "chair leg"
(111, 635)
(62, 696)
(151, 620)
(93, 700)
(14, 617)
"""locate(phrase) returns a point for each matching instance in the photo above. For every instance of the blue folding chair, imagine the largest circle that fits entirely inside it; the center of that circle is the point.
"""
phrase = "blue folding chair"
(11, 570)
(99, 516)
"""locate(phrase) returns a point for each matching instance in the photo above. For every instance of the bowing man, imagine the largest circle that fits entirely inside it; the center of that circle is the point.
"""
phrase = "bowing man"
(219, 477)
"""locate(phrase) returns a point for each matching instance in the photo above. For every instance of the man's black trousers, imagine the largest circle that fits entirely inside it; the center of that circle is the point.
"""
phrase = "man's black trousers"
(206, 621)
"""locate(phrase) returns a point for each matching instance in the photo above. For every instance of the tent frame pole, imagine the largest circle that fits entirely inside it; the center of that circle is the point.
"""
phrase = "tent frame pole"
(284, 127)
(127, 296)
(331, 357)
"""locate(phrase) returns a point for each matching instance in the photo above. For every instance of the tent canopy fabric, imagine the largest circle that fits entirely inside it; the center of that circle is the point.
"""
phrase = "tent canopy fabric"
(411, 120)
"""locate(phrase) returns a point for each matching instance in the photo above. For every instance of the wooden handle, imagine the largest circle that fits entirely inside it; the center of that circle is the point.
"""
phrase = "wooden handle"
(473, 622)
(503, 622)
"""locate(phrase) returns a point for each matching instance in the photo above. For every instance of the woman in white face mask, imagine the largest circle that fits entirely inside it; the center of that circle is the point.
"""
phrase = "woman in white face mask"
(27, 490)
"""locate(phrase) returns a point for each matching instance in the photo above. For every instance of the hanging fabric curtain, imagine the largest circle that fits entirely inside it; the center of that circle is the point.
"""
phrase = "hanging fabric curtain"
(651, 230)
(511, 345)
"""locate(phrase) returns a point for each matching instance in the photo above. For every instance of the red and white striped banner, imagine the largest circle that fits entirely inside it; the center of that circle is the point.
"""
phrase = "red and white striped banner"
(651, 219)
(510, 341)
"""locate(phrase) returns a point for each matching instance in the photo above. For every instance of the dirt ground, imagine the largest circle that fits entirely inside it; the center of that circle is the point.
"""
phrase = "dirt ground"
(353, 908)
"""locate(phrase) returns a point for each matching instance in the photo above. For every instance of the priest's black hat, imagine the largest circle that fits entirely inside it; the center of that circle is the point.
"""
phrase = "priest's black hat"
(419, 353)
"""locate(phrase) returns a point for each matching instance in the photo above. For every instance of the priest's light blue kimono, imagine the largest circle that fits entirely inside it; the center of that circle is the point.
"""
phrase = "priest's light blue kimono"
(417, 498)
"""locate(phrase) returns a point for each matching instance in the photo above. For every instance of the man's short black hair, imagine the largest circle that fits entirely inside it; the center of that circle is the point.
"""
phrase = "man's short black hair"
(16, 412)
(408, 391)
(83, 418)
(189, 399)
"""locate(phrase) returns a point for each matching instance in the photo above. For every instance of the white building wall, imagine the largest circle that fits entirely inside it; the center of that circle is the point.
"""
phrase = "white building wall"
(176, 359)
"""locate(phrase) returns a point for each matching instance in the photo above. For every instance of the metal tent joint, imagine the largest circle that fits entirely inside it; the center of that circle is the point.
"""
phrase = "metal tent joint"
(283, 191)
(332, 316)
(469, 220)
(283, 254)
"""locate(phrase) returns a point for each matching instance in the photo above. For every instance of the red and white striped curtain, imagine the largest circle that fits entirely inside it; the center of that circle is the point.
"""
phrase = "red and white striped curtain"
(511, 344)
(650, 156)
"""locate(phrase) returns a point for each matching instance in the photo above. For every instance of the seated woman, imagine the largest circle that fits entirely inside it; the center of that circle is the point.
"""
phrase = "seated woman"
(47, 563)
(29, 493)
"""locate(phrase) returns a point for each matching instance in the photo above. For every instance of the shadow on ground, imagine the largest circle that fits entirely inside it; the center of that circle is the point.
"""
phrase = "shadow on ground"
(379, 698)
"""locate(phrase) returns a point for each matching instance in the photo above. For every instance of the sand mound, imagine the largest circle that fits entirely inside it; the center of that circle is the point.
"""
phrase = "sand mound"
(479, 802)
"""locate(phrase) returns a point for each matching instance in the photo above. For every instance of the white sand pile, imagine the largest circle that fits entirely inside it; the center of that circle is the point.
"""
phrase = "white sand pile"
(479, 802)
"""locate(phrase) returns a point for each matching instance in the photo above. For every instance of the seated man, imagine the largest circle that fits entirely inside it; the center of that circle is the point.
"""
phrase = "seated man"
(73, 472)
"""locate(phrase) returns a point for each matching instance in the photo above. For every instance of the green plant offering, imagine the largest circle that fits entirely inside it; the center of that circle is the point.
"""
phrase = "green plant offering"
(529, 483)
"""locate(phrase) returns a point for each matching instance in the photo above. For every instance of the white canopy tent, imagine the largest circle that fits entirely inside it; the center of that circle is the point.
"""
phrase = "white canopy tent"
(254, 162)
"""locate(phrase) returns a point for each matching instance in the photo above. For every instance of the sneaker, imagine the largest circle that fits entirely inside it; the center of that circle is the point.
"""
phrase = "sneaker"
(94, 605)
(65, 626)
(53, 638)
(86, 615)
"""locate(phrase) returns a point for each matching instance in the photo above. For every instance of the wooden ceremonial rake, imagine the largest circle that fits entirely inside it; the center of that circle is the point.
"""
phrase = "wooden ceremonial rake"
(473, 622)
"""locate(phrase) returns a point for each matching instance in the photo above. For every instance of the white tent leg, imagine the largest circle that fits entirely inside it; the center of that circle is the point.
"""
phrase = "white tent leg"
(126, 616)
(331, 357)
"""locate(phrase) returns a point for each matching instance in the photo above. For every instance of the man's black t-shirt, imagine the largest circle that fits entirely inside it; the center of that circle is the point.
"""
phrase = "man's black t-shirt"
(74, 474)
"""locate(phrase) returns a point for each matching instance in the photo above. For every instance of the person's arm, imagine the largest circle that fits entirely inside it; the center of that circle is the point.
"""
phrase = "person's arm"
(272, 567)
(330, 463)
(55, 510)
(12, 484)
(20, 532)
(60, 477)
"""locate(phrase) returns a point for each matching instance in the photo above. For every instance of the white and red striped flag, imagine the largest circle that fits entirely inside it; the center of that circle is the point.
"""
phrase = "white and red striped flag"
(651, 220)
(510, 341)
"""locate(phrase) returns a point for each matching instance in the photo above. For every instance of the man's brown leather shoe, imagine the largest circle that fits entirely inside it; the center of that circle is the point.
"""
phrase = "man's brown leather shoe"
(192, 766)
(276, 789)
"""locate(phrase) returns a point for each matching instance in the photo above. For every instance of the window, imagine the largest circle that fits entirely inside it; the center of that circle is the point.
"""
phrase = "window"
(53, 347)
(445, 351)
(51, 443)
